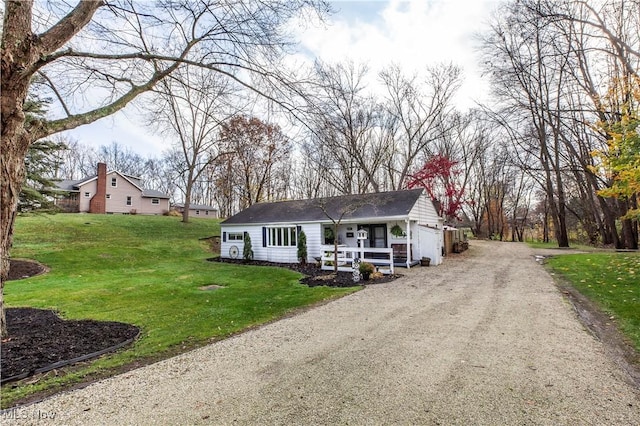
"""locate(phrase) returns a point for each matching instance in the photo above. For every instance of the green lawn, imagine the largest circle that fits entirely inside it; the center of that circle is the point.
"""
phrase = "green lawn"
(611, 280)
(554, 245)
(146, 270)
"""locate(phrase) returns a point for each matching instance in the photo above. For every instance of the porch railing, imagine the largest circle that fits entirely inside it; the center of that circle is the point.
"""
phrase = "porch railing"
(383, 262)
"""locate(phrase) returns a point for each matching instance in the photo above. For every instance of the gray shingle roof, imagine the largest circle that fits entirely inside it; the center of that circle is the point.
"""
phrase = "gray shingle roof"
(68, 185)
(152, 193)
(380, 204)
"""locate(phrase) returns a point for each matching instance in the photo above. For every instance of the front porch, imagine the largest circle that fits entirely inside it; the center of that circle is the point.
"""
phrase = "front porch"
(381, 258)
(385, 244)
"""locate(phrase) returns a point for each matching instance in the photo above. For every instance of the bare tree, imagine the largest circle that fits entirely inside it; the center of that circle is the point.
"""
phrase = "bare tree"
(418, 108)
(350, 142)
(554, 64)
(192, 104)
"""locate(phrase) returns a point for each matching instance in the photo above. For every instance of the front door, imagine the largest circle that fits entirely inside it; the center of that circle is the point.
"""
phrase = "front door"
(377, 235)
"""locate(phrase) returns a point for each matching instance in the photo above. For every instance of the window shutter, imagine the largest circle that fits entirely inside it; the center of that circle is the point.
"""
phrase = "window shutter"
(298, 229)
(224, 237)
(264, 236)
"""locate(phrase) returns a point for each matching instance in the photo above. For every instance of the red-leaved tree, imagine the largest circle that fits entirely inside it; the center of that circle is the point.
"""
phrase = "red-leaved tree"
(439, 176)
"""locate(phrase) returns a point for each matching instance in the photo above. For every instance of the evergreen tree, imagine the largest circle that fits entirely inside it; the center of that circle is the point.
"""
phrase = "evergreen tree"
(41, 161)
(302, 247)
(247, 251)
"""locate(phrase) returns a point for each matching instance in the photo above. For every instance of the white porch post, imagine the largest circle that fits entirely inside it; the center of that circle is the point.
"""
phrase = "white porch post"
(409, 254)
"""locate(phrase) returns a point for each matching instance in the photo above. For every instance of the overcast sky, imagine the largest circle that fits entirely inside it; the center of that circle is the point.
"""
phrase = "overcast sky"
(412, 34)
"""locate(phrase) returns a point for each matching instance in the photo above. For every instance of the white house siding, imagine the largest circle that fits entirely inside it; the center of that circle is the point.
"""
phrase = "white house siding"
(424, 213)
(431, 241)
(271, 254)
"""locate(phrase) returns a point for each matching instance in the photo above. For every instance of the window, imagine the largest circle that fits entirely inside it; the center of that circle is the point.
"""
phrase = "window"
(235, 236)
(114, 182)
(206, 212)
(281, 237)
(108, 196)
(128, 200)
(87, 195)
(197, 211)
(155, 201)
(329, 238)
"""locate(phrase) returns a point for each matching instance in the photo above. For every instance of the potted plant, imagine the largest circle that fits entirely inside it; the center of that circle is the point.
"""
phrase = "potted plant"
(366, 269)
(397, 231)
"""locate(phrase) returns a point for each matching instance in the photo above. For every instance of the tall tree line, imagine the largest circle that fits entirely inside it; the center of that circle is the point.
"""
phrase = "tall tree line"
(564, 74)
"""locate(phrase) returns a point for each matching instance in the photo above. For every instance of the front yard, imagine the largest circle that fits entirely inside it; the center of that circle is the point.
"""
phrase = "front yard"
(149, 271)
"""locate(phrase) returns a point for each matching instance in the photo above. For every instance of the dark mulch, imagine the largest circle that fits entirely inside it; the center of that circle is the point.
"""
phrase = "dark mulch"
(314, 276)
(39, 339)
(19, 269)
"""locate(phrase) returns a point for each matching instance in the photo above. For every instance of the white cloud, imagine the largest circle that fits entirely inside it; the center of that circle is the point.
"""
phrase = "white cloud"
(412, 34)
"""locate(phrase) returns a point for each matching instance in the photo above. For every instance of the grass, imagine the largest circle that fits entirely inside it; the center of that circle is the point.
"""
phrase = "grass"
(554, 245)
(611, 280)
(145, 270)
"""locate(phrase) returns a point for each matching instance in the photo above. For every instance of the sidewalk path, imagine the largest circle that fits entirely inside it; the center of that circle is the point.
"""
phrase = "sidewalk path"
(484, 339)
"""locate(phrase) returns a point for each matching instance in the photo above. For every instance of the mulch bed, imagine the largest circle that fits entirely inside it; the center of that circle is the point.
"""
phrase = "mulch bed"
(314, 276)
(19, 269)
(39, 340)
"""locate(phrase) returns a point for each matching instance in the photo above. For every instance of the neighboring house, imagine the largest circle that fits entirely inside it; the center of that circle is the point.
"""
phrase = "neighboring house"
(396, 228)
(198, 210)
(110, 192)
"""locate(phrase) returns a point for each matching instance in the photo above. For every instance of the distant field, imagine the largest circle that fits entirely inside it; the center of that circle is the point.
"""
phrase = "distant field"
(611, 280)
(146, 270)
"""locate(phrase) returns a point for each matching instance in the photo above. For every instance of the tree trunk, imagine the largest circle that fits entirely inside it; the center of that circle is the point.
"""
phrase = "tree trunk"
(15, 144)
(187, 197)
(12, 175)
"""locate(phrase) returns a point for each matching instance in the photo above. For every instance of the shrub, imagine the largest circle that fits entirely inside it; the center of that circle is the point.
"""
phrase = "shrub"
(367, 268)
(247, 250)
(302, 247)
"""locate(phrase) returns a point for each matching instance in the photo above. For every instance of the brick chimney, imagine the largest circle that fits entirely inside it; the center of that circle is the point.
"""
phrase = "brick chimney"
(98, 203)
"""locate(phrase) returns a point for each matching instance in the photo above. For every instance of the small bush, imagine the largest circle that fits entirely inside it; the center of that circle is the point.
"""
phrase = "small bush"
(302, 247)
(247, 250)
(367, 268)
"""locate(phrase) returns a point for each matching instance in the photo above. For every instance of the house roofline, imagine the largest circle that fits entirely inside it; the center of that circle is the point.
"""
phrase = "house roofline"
(324, 221)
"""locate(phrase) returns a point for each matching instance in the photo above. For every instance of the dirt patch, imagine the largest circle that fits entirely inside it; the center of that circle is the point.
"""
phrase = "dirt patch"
(211, 287)
(314, 276)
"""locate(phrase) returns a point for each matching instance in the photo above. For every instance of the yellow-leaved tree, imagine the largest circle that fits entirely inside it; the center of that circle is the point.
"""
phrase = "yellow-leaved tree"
(621, 159)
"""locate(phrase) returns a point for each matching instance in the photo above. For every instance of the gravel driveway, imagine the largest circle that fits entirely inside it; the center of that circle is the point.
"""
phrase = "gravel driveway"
(485, 338)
